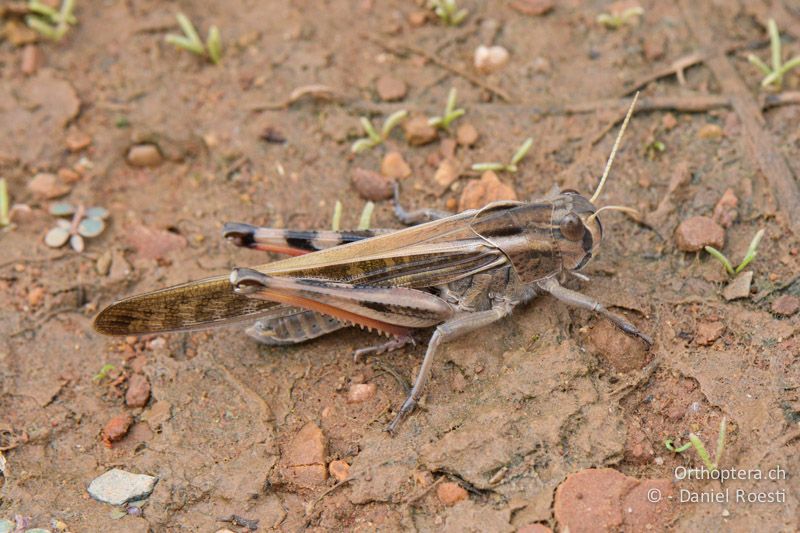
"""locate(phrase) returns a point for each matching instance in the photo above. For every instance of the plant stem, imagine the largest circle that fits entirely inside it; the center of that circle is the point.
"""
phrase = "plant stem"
(337, 216)
(751, 251)
(721, 258)
(5, 219)
(366, 216)
(701, 451)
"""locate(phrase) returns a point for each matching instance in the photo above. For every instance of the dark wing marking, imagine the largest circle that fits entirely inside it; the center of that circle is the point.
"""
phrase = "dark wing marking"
(421, 256)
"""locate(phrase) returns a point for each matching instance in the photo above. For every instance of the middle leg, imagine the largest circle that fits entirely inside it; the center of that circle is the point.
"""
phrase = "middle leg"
(448, 331)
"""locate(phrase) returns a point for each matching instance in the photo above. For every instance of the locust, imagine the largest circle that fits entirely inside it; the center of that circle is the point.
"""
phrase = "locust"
(452, 273)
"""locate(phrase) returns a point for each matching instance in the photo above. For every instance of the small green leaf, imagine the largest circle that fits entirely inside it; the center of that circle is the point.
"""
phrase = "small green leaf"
(62, 209)
(668, 444)
(188, 29)
(488, 166)
(701, 451)
(392, 122)
(97, 212)
(755, 60)
(56, 237)
(366, 216)
(361, 145)
(77, 243)
(522, 151)
(214, 45)
(721, 258)
(42, 27)
(5, 219)
(91, 227)
(337, 216)
(369, 129)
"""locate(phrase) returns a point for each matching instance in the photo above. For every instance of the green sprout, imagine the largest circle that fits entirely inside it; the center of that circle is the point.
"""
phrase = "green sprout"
(450, 113)
(190, 40)
(654, 148)
(5, 218)
(616, 20)
(373, 138)
(364, 220)
(85, 224)
(774, 76)
(512, 166)
(748, 258)
(448, 12)
(103, 374)
(337, 216)
(695, 441)
(48, 22)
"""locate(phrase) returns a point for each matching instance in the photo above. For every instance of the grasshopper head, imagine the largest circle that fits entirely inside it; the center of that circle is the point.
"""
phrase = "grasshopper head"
(579, 227)
(578, 231)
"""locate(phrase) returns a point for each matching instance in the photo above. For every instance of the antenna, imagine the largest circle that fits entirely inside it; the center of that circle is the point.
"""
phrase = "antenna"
(629, 210)
(614, 150)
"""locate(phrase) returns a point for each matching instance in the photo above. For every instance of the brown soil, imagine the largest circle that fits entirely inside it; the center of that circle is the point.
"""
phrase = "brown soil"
(510, 412)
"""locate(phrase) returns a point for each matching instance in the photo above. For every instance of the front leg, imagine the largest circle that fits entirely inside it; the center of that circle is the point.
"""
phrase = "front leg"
(448, 331)
(581, 300)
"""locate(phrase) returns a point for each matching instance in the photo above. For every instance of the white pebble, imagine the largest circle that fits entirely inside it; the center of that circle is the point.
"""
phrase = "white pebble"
(490, 58)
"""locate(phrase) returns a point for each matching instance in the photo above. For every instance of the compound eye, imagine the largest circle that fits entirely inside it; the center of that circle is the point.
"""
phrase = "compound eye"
(572, 227)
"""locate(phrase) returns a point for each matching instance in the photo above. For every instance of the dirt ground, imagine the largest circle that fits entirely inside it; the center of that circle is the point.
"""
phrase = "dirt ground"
(549, 419)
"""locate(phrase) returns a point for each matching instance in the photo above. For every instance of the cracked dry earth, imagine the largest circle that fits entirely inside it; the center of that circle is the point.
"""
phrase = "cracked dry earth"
(548, 420)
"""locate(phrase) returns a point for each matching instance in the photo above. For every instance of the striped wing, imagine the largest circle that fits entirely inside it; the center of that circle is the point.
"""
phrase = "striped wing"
(418, 257)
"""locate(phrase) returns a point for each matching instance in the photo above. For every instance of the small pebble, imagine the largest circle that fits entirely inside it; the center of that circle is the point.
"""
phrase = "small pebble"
(118, 487)
(77, 140)
(654, 46)
(138, 391)
(710, 131)
(394, 166)
(304, 457)
(361, 392)
(450, 493)
(68, 175)
(725, 213)
(488, 189)
(490, 59)
(371, 185)
(18, 33)
(391, 89)
(786, 305)
(418, 131)
(157, 414)
(696, 232)
(339, 469)
(103, 264)
(35, 296)
(446, 174)
(708, 332)
(541, 65)
(669, 121)
(739, 287)
(417, 18)
(144, 155)
(533, 8)
(47, 186)
(448, 148)
(466, 134)
(32, 59)
(116, 428)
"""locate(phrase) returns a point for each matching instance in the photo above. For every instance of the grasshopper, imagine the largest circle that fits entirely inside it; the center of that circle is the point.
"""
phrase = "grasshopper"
(455, 273)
